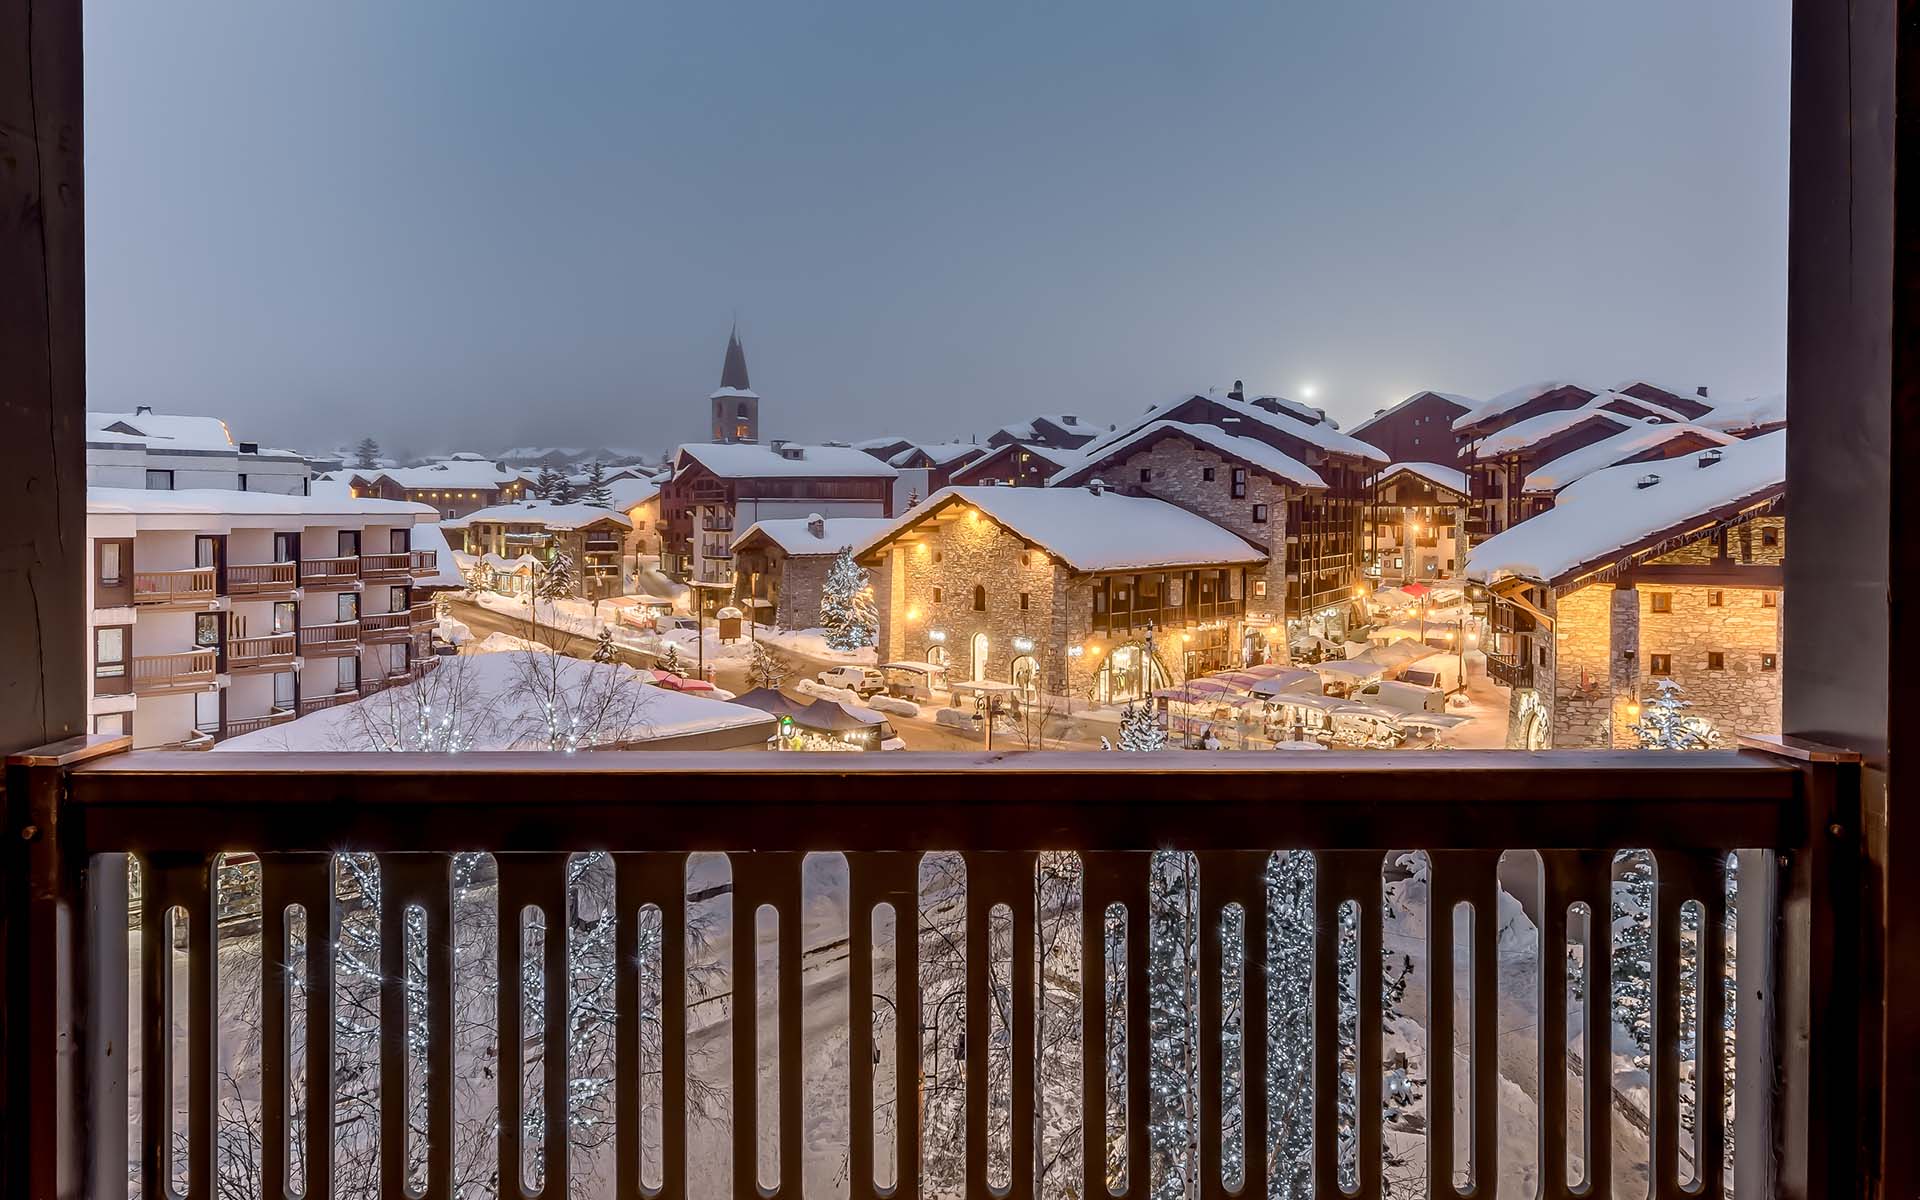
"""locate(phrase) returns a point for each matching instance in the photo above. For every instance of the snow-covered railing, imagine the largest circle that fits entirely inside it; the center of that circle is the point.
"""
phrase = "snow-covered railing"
(1200, 974)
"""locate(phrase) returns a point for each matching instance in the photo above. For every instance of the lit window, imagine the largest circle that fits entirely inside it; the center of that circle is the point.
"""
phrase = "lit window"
(1769, 662)
(1660, 664)
(1769, 599)
(1661, 602)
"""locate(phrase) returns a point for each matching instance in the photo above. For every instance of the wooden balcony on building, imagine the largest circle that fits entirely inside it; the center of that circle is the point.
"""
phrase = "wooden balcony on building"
(423, 562)
(387, 567)
(1278, 849)
(329, 572)
(184, 671)
(270, 652)
(237, 726)
(420, 617)
(386, 627)
(263, 580)
(1516, 672)
(313, 704)
(338, 637)
(195, 586)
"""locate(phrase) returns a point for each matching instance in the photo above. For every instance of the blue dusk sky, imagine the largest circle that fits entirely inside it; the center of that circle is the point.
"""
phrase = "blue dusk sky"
(471, 224)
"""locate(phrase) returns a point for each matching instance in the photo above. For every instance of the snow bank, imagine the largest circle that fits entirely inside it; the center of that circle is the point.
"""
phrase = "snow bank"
(894, 705)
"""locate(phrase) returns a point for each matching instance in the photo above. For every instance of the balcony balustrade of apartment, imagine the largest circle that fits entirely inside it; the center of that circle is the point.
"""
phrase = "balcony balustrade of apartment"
(262, 579)
(1781, 823)
(330, 572)
(387, 627)
(392, 566)
(423, 562)
(268, 652)
(420, 616)
(185, 671)
(237, 726)
(196, 585)
(313, 704)
(335, 637)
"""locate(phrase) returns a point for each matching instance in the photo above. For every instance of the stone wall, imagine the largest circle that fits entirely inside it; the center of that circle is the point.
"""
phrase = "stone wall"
(1178, 468)
(1742, 696)
(1577, 681)
(800, 582)
(955, 557)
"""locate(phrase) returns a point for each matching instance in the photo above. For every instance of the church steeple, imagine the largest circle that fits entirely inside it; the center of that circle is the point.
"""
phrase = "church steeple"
(733, 373)
(736, 407)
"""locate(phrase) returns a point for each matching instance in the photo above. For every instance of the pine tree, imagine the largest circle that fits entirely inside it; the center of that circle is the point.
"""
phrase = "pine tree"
(366, 453)
(598, 492)
(846, 604)
(1664, 725)
(558, 578)
(670, 661)
(1139, 729)
(604, 649)
(547, 484)
(766, 669)
(564, 492)
(476, 579)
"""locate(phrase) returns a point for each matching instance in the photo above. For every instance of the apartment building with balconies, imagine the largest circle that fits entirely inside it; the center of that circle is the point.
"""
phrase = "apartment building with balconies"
(592, 539)
(154, 451)
(214, 612)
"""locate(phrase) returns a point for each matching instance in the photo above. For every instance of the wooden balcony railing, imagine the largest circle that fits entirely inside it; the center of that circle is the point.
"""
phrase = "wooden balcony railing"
(254, 653)
(338, 637)
(322, 572)
(256, 579)
(386, 566)
(420, 616)
(186, 670)
(313, 704)
(425, 562)
(237, 726)
(1514, 672)
(386, 626)
(1222, 1015)
(175, 587)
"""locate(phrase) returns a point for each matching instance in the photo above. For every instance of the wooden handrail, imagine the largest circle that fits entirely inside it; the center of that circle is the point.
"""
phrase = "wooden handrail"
(256, 577)
(160, 670)
(347, 566)
(333, 632)
(384, 622)
(193, 583)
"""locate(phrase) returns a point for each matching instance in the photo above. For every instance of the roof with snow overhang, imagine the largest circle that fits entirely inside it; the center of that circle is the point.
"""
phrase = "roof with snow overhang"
(1617, 512)
(749, 460)
(1087, 530)
(1250, 451)
(539, 512)
(796, 536)
(1630, 442)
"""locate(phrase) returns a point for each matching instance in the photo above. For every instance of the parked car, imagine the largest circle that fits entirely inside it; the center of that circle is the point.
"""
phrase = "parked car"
(862, 681)
(1440, 671)
(1401, 696)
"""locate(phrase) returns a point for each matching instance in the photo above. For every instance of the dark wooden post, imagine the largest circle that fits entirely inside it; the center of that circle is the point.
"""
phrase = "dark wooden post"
(1853, 384)
(42, 608)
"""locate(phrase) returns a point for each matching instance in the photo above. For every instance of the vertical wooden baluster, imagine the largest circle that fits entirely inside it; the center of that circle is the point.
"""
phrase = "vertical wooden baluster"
(203, 962)
(1135, 894)
(1209, 904)
(979, 1025)
(424, 881)
(1710, 881)
(1252, 881)
(104, 992)
(517, 889)
(861, 1047)
(305, 880)
(156, 1100)
(789, 1019)
(1482, 886)
(1551, 1067)
(1446, 886)
(900, 884)
(759, 878)
(1016, 880)
(659, 879)
(1113, 877)
(1233, 877)
(556, 1094)
(1343, 875)
(1594, 884)
(1664, 1099)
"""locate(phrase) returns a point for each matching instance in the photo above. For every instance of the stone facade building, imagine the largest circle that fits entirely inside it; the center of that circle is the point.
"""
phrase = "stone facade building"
(1415, 528)
(780, 566)
(1003, 585)
(1624, 584)
(1013, 465)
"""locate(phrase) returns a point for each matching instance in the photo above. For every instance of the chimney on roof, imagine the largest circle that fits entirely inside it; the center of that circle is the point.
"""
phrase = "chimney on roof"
(1709, 457)
(816, 525)
(1239, 391)
(1096, 486)
(1701, 392)
(143, 410)
(1646, 481)
(249, 447)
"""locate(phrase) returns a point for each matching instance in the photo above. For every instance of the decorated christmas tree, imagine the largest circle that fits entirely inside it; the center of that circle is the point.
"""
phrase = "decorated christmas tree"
(604, 650)
(670, 660)
(1139, 729)
(765, 669)
(1665, 725)
(846, 604)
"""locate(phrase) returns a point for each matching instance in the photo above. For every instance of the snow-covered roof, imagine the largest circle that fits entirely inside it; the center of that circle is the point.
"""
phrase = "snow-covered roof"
(1609, 513)
(1513, 398)
(731, 393)
(448, 473)
(629, 492)
(1758, 412)
(941, 453)
(1634, 440)
(1467, 403)
(446, 572)
(1028, 430)
(165, 431)
(1522, 434)
(1295, 409)
(1090, 531)
(796, 537)
(1048, 454)
(747, 460)
(539, 512)
(1447, 477)
(227, 502)
(1321, 434)
(497, 711)
(1249, 450)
